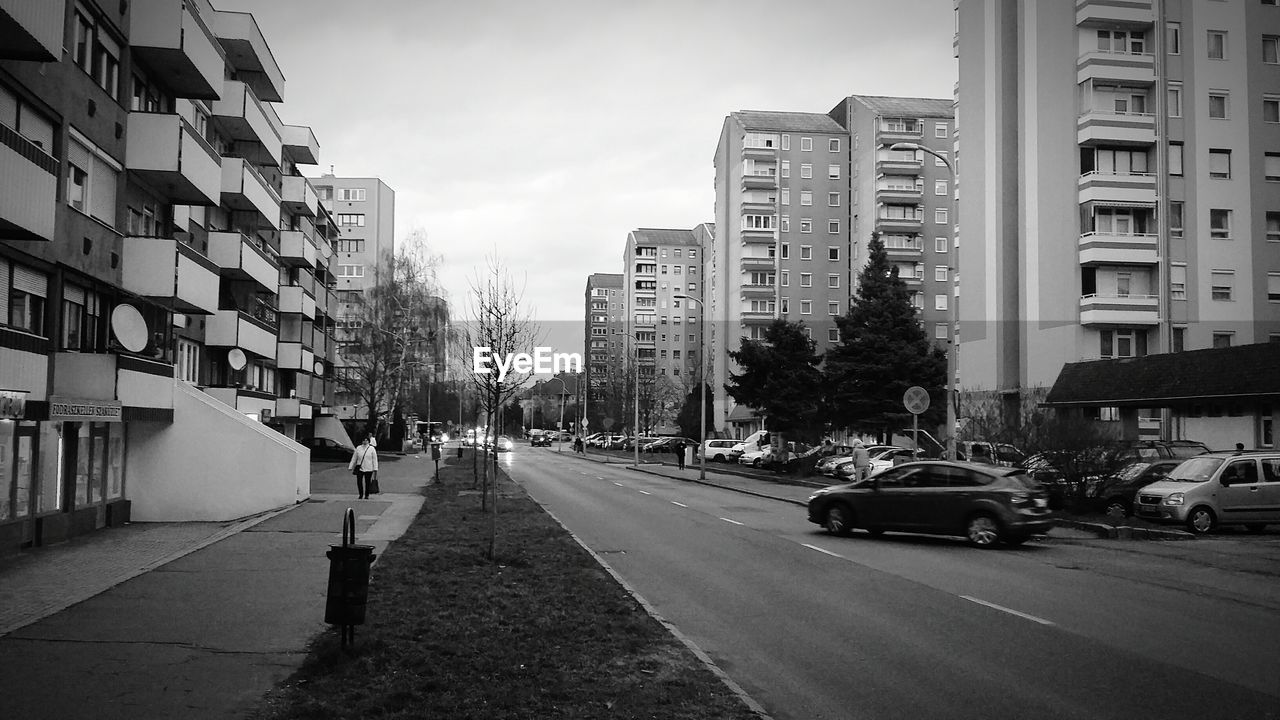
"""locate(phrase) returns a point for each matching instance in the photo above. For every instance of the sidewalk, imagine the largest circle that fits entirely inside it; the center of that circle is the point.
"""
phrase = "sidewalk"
(184, 620)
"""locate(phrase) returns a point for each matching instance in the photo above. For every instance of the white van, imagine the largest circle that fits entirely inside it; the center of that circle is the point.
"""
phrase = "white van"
(754, 441)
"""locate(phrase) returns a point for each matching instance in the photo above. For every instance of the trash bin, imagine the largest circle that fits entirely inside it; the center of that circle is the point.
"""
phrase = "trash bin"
(348, 583)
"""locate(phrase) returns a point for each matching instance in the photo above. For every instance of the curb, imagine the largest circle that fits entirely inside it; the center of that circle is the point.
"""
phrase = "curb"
(1125, 532)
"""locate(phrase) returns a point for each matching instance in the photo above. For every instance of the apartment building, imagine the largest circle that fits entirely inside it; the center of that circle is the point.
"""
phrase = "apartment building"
(662, 271)
(605, 312)
(164, 281)
(907, 196)
(1120, 182)
(364, 215)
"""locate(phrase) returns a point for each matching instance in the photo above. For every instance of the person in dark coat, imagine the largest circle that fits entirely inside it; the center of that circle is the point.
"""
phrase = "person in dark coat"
(678, 447)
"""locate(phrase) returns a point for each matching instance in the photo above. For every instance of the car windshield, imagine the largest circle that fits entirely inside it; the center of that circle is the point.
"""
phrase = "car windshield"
(1196, 470)
(1133, 470)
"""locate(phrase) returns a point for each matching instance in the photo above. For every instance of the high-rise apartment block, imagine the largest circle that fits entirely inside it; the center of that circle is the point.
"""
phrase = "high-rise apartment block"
(165, 285)
(1120, 182)
(604, 346)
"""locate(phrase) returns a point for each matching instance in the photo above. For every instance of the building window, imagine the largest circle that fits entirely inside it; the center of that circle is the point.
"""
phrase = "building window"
(833, 308)
(806, 252)
(940, 244)
(786, 142)
(350, 219)
(1173, 37)
(941, 159)
(1218, 105)
(784, 251)
(940, 331)
(1122, 343)
(940, 273)
(1222, 284)
(1223, 339)
(1273, 287)
(806, 225)
(940, 130)
(187, 367)
(917, 300)
(940, 302)
(786, 168)
(92, 179)
(351, 194)
(1220, 224)
(806, 307)
(833, 281)
(833, 253)
(81, 319)
(806, 197)
(1217, 45)
(1270, 49)
(940, 216)
(833, 199)
(833, 227)
(806, 280)
(1178, 281)
(1273, 226)
(833, 335)
(940, 187)
(833, 172)
(1175, 101)
(1271, 166)
(806, 144)
(1175, 218)
(806, 170)
(784, 223)
(351, 271)
(1179, 339)
(1175, 158)
(786, 278)
(833, 145)
(1271, 109)
(786, 196)
(1220, 163)
(26, 298)
(351, 245)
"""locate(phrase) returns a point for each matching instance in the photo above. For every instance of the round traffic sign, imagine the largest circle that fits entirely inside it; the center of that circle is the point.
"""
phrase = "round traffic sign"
(916, 399)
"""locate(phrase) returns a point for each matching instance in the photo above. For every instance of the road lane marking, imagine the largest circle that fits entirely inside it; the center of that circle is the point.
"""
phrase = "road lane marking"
(735, 522)
(644, 492)
(824, 552)
(618, 484)
(1002, 608)
(673, 502)
(599, 478)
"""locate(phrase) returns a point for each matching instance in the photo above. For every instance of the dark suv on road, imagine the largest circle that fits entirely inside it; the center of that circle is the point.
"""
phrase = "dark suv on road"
(986, 504)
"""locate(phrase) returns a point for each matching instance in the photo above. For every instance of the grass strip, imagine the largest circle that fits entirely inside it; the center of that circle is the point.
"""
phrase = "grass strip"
(540, 632)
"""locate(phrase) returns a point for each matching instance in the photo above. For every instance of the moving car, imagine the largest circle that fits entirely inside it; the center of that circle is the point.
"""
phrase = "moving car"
(538, 438)
(1221, 488)
(985, 504)
(504, 444)
(1113, 494)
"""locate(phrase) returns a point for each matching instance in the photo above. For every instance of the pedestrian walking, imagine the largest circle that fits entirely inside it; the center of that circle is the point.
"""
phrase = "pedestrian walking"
(861, 461)
(364, 465)
(678, 446)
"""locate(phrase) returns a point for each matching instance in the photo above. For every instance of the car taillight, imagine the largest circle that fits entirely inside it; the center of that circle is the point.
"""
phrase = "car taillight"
(1021, 498)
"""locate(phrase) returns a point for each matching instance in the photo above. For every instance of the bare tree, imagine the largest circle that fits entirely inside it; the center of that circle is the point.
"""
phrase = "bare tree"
(498, 327)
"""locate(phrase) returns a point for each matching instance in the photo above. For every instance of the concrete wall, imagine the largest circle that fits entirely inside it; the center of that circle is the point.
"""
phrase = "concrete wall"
(1221, 433)
(174, 474)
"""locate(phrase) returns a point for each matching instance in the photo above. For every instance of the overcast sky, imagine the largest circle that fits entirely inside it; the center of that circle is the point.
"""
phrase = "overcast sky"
(543, 131)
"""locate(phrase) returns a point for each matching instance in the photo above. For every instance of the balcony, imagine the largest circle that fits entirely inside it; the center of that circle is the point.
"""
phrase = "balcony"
(295, 300)
(1119, 310)
(165, 151)
(756, 290)
(249, 401)
(28, 188)
(890, 164)
(766, 236)
(750, 262)
(1117, 67)
(900, 224)
(904, 252)
(296, 249)
(242, 259)
(244, 118)
(1103, 248)
(758, 207)
(757, 152)
(244, 189)
(899, 193)
(171, 273)
(1112, 128)
(247, 51)
(1109, 13)
(893, 133)
(31, 30)
(760, 181)
(133, 381)
(293, 356)
(1129, 189)
(323, 298)
(236, 328)
(301, 144)
(753, 317)
(298, 196)
(177, 47)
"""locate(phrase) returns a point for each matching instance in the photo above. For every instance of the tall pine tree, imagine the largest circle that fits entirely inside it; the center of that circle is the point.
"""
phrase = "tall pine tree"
(781, 379)
(883, 350)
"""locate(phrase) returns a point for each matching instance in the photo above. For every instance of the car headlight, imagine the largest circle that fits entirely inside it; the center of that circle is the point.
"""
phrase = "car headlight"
(1174, 499)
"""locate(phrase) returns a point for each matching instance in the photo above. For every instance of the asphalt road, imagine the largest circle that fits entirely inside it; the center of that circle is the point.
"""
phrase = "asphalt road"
(814, 626)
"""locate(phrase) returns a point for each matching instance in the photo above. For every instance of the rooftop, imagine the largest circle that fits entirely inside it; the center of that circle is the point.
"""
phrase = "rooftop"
(788, 121)
(907, 106)
(662, 236)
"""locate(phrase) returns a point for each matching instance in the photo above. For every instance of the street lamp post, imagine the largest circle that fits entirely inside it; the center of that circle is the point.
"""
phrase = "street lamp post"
(560, 422)
(702, 391)
(951, 308)
(635, 424)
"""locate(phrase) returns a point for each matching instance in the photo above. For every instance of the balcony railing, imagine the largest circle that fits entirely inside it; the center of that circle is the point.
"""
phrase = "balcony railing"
(1109, 309)
(28, 188)
(1120, 67)
(1108, 248)
(1098, 126)
(31, 30)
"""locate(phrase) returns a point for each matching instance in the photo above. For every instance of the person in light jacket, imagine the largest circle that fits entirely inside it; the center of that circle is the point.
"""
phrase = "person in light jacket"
(861, 461)
(364, 463)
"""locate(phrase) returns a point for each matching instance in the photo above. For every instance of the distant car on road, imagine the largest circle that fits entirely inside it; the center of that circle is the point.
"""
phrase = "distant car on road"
(504, 444)
(538, 438)
(985, 504)
(326, 450)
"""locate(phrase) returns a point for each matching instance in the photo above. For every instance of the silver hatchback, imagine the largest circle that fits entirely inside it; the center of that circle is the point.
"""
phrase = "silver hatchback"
(1222, 488)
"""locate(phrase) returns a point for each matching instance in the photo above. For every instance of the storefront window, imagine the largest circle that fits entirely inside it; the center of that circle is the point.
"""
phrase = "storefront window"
(49, 494)
(24, 464)
(6, 469)
(98, 477)
(115, 469)
(83, 455)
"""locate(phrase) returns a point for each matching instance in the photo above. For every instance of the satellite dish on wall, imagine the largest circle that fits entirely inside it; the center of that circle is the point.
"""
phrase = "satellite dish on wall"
(326, 250)
(236, 359)
(318, 368)
(129, 327)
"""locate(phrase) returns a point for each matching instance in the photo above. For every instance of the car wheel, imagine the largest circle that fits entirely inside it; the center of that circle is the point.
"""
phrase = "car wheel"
(1255, 527)
(755, 463)
(982, 531)
(1201, 520)
(1117, 509)
(839, 520)
(718, 458)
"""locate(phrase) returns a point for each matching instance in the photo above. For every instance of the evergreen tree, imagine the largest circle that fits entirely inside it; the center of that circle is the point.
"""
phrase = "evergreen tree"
(780, 378)
(883, 350)
(688, 417)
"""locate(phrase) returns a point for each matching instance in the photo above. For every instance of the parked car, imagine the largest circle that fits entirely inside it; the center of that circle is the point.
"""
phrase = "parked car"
(1214, 489)
(1113, 493)
(979, 451)
(718, 450)
(327, 450)
(985, 504)
(881, 457)
(755, 441)
(887, 458)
